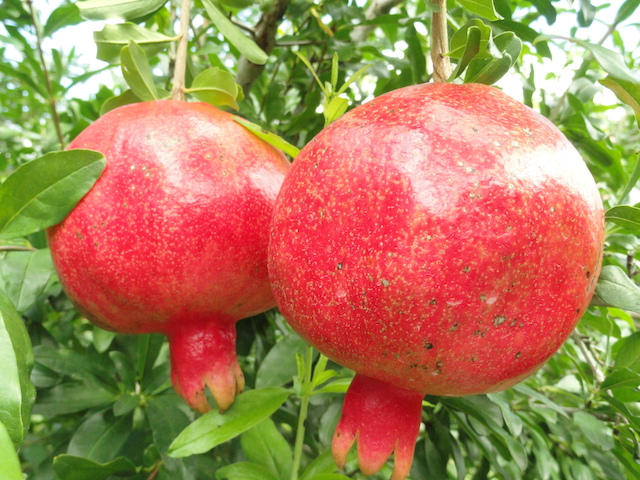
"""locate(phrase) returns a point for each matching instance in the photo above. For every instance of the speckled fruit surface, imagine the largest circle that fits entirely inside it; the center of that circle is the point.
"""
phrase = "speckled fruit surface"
(441, 239)
(173, 236)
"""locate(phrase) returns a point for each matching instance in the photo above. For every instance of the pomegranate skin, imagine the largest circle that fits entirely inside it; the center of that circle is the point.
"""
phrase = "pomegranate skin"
(444, 239)
(173, 236)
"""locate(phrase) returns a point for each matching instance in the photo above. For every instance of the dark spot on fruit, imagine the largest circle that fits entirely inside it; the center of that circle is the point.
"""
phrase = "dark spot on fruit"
(552, 209)
(513, 322)
(454, 327)
(96, 226)
(424, 367)
(483, 298)
(480, 333)
(588, 274)
(385, 282)
(433, 301)
(439, 363)
(95, 243)
(428, 345)
(79, 235)
(499, 320)
(413, 365)
(396, 355)
(474, 358)
(466, 269)
(518, 355)
(103, 224)
(577, 310)
(339, 266)
(475, 129)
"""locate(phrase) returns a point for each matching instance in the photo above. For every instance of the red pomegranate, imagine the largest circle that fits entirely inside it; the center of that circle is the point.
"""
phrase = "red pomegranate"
(173, 236)
(441, 239)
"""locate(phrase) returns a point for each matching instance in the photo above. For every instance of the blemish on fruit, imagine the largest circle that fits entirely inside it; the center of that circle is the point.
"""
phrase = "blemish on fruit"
(466, 269)
(588, 274)
(433, 301)
(552, 209)
(483, 298)
(499, 320)
(385, 282)
(474, 358)
(79, 235)
(339, 266)
(428, 345)
(497, 144)
(454, 327)
(518, 355)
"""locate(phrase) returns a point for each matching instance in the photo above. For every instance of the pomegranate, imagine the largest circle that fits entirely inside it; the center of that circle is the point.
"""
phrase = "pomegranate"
(173, 236)
(441, 239)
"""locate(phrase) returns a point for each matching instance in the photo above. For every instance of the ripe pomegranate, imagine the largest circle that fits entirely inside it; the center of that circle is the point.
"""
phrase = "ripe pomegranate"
(173, 236)
(441, 239)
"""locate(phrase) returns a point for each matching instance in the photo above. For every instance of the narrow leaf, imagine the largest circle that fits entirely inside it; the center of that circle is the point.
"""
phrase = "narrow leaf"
(214, 428)
(26, 276)
(216, 87)
(627, 92)
(120, 9)
(71, 398)
(624, 215)
(41, 193)
(63, 16)
(244, 44)
(137, 72)
(68, 467)
(626, 10)
(616, 289)
(125, 98)
(244, 471)
(9, 461)
(112, 38)
(265, 446)
(269, 137)
(17, 393)
(484, 8)
(100, 437)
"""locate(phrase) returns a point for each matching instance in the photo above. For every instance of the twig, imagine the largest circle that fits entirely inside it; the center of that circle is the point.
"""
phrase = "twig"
(47, 79)
(181, 55)
(589, 358)
(376, 8)
(440, 43)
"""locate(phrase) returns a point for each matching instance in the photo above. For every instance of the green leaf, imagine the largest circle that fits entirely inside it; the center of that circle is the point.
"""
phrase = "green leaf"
(138, 74)
(24, 79)
(26, 276)
(112, 38)
(279, 365)
(119, 9)
(216, 87)
(610, 61)
(244, 471)
(125, 98)
(68, 467)
(484, 8)
(626, 216)
(17, 393)
(627, 92)
(616, 289)
(474, 36)
(270, 138)
(531, 394)
(100, 437)
(214, 428)
(626, 10)
(244, 44)
(41, 193)
(323, 464)
(265, 446)
(629, 354)
(595, 430)
(63, 16)
(9, 461)
(71, 398)
(167, 419)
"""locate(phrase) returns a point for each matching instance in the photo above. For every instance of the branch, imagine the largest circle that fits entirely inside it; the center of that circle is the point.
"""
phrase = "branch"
(181, 55)
(440, 43)
(376, 8)
(265, 37)
(47, 80)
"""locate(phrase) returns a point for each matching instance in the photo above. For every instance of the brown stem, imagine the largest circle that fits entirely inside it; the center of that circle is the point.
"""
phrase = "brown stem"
(181, 55)
(265, 37)
(440, 43)
(47, 80)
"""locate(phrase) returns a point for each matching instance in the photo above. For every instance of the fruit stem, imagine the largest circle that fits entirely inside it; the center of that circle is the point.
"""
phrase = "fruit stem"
(305, 398)
(180, 70)
(440, 43)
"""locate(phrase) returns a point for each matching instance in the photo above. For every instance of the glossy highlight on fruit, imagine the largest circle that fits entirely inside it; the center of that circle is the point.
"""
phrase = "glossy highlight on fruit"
(173, 236)
(441, 239)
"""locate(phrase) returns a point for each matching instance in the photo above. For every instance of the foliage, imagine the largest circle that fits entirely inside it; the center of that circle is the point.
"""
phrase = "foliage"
(105, 407)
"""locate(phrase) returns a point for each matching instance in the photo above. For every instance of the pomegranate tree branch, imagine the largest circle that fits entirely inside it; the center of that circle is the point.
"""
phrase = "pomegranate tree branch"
(440, 43)
(375, 9)
(47, 79)
(180, 70)
(265, 37)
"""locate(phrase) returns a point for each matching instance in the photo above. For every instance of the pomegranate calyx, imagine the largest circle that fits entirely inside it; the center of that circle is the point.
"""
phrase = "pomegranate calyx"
(203, 353)
(381, 419)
